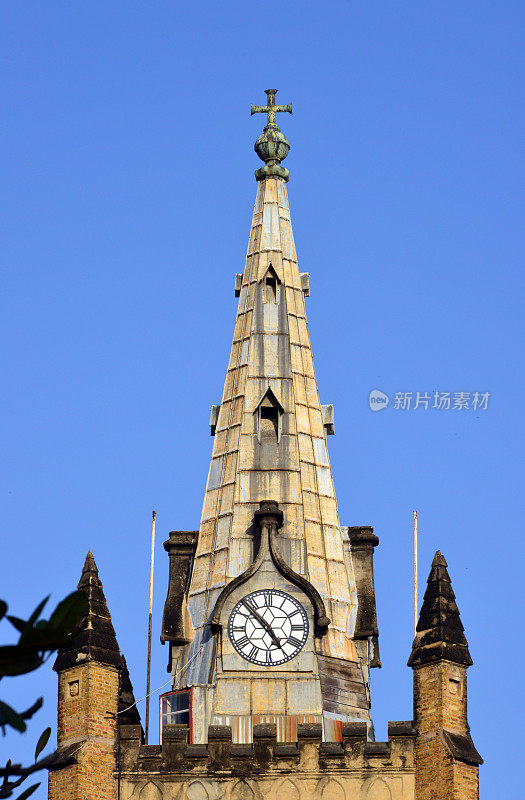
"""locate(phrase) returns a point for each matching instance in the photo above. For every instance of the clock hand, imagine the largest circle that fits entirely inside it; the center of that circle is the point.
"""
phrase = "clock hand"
(266, 625)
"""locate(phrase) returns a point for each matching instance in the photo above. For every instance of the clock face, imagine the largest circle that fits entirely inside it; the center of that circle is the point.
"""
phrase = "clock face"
(268, 627)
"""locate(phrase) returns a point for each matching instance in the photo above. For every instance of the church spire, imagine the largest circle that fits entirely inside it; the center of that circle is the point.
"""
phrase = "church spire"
(270, 441)
(270, 436)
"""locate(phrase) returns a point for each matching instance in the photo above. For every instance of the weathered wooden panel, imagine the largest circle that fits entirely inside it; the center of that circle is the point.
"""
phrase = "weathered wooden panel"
(342, 686)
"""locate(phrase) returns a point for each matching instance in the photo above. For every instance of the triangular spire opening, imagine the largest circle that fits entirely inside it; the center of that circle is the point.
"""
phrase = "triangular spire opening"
(271, 283)
(269, 413)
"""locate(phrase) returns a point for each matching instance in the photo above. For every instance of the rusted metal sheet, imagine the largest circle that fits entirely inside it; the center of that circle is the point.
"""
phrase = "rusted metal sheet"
(333, 729)
(286, 725)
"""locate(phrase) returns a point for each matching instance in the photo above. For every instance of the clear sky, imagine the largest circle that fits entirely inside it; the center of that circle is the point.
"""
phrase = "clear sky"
(127, 193)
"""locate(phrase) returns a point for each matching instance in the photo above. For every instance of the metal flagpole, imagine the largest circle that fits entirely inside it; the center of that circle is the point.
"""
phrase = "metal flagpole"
(415, 571)
(148, 670)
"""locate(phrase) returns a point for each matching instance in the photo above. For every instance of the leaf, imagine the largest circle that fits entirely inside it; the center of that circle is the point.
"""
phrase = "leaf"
(15, 660)
(8, 716)
(45, 637)
(3, 608)
(28, 792)
(43, 740)
(37, 705)
(38, 610)
(17, 623)
(69, 611)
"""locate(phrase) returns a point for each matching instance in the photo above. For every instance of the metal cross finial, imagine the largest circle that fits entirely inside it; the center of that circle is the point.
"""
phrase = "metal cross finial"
(271, 109)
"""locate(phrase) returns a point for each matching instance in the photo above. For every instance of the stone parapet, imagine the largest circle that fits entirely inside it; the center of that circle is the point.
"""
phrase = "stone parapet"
(353, 762)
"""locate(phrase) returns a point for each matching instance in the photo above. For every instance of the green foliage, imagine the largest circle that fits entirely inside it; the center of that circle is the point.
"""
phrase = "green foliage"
(29, 791)
(43, 740)
(38, 639)
(8, 716)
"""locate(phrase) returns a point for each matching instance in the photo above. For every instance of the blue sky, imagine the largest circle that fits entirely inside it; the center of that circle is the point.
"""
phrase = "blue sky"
(128, 188)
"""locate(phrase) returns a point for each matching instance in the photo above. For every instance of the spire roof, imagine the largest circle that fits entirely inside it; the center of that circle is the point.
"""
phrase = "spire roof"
(439, 632)
(270, 441)
(94, 638)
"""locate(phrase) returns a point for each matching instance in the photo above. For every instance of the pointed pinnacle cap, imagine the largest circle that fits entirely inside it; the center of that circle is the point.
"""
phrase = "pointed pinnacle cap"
(439, 560)
(89, 567)
(94, 638)
(439, 633)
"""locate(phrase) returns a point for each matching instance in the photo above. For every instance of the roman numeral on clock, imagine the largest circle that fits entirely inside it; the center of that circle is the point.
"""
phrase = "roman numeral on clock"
(294, 642)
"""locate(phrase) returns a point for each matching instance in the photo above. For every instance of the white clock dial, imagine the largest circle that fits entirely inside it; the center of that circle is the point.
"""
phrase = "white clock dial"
(268, 627)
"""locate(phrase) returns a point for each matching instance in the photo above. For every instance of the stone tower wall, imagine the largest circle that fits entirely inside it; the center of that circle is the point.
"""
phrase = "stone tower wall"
(466, 781)
(87, 709)
(440, 704)
(440, 697)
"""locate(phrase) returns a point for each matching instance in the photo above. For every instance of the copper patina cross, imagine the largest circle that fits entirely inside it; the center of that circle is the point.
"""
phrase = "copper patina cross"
(271, 108)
